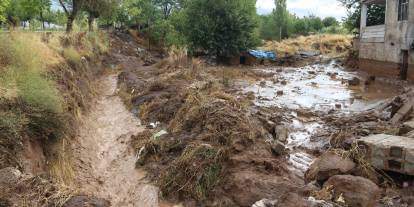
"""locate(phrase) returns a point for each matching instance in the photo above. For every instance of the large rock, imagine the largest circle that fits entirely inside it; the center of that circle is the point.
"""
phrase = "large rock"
(327, 165)
(86, 201)
(356, 191)
(293, 200)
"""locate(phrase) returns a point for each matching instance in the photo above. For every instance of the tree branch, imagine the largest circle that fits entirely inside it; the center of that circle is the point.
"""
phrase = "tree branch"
(64, 7)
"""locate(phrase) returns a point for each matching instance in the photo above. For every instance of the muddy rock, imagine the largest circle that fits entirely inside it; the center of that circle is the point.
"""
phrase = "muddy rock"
(279, 93)
(356, 191)
(281, 133)
(246, 187)
(86, 201)
(354, 81)
(278, 148)
(318, 203)
(293, 200)
(406, 127)
(265, 203)
(327, 165)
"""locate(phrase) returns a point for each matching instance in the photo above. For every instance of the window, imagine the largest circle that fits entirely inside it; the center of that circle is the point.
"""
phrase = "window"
(402, 10)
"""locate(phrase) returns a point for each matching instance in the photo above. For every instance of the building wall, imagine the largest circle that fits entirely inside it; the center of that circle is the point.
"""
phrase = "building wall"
(399, 35)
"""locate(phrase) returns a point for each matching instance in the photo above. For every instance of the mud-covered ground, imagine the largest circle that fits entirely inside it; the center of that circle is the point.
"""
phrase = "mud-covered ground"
(233, 136)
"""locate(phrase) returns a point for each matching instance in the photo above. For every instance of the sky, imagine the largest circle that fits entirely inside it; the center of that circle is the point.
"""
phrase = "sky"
(321, 8)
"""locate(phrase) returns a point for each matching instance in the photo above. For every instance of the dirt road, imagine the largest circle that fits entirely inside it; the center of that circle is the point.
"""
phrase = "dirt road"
(104, 162)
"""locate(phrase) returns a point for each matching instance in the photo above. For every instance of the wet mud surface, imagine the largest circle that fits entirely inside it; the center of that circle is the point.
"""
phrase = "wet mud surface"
(104, 160)
(308, 94)
(320, 87)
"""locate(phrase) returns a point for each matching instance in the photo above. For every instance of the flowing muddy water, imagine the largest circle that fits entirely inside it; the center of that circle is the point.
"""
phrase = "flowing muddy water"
(306, 93)
(104, 162)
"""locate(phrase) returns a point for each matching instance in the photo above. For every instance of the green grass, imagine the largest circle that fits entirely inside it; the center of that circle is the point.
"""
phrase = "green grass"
(72, 56)
(97, 42)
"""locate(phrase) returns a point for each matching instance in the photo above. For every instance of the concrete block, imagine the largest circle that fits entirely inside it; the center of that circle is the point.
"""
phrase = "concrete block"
(388, 152)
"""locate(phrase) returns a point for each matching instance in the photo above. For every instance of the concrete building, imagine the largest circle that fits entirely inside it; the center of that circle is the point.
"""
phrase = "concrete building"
(388, 49)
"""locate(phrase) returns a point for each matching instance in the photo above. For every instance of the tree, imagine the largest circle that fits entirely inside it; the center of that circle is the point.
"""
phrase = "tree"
(281, 16)
(71, 9)
(330, 21)
(221, 28)
(375, 15)
(167, 6)
(267, 27)
(4, 4)
(96, 8)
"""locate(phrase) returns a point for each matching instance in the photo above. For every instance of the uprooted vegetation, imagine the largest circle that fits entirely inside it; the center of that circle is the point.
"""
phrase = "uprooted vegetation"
(211, 134)
(44, 89)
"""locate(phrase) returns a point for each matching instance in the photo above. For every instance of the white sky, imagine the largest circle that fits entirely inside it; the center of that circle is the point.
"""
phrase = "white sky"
(321, 8)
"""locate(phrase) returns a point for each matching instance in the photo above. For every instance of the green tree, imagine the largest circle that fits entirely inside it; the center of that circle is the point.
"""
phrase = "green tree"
(221, 27)
(281, 16)
(267, 29)
(96, 8)
(330, 21)
(375, 15)
(71, 9)
(4, 4)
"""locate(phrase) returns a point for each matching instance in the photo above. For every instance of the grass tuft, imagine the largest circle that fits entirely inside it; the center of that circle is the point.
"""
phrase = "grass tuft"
(196, 172)
(72, 56)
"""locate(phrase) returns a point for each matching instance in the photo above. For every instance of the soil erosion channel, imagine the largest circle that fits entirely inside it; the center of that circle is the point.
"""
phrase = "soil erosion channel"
(104, 162)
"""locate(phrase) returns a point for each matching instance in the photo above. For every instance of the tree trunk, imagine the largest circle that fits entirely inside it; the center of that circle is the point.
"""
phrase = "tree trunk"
(90, 23)
(43, 20)
(69, 25)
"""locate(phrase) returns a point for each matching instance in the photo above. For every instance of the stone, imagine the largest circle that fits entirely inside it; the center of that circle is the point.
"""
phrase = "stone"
(403, 111)
(281, 133)
(388, 152)
(354, 81)
(354, 190)
(410, 134)
(406, 127)
(327, 165)
(265, 203)
(278, 148)
(293, 200)
(86, 201)
(318, 203)
(279, 93)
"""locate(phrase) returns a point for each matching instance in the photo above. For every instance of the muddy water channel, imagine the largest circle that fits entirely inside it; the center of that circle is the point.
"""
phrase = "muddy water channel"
(306, 94)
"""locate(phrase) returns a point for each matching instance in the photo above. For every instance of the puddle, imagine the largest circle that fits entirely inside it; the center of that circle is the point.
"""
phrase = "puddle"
(320, 87)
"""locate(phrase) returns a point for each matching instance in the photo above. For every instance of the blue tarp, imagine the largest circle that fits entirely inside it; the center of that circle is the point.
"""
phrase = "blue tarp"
(263, 54)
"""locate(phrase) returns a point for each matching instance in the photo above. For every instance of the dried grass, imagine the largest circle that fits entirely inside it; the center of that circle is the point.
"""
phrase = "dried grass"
(325, 43)
(194, 173)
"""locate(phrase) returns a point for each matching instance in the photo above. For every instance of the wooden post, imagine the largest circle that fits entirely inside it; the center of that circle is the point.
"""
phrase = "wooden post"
(404, 65)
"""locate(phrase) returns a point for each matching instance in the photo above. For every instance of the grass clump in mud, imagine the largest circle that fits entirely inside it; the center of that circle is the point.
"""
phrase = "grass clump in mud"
(72, 56)
(206, 127)
(195, 172)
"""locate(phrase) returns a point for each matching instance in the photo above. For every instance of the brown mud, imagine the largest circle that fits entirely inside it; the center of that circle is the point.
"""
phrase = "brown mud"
(104, 162)
(220, 136)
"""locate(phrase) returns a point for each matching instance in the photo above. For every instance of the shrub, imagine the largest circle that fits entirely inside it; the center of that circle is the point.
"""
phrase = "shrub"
(98, 42)
(72, 56)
